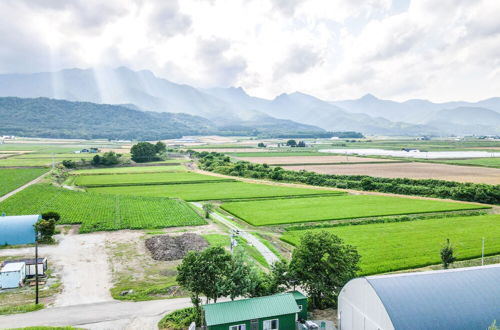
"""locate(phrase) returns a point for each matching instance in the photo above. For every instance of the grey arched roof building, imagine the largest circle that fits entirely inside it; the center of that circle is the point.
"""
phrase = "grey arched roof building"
(465, 298)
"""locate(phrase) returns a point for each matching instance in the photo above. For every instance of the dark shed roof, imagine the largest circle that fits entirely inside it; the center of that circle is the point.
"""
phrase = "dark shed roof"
(466, 298)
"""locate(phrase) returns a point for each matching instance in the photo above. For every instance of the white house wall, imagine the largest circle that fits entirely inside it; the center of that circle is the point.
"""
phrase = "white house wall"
(359, 308)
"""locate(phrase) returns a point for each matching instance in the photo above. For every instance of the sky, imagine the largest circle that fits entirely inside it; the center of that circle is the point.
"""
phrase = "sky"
(440, 50)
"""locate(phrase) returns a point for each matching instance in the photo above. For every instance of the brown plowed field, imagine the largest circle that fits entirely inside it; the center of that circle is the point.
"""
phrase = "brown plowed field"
(412, 170)
(312, 160)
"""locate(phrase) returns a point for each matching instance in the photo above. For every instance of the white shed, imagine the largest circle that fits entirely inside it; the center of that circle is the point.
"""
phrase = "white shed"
(30, 265)
(459, 299)
(12, 275)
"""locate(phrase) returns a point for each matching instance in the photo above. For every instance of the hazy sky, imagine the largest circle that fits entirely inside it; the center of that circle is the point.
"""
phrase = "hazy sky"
(334, 49)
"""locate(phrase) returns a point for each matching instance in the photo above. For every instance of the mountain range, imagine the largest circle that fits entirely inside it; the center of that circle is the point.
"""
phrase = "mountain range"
(232, 109)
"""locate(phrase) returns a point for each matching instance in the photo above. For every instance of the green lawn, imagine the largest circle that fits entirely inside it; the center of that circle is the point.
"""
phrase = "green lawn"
(487, 162)
(403, 245)
(213, 191)
(144, 178)
(11, 179)
(132, 169)
(98, 212)
(273, 212)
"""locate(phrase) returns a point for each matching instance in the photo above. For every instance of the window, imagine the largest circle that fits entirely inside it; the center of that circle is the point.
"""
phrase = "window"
(271, 324)
(237, 327)
(300, 308)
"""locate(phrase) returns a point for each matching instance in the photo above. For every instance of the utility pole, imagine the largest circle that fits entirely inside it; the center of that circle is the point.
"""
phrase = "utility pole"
(36, 268)
(53, 161)
(482, 254)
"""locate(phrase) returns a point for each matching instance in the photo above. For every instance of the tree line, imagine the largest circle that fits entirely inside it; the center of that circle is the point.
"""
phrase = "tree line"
(470, 192)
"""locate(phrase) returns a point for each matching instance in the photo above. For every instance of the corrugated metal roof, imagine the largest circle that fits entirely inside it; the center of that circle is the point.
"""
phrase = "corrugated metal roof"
(466, 298)
(298, 295)
(13, 267)
(249, 309)
(18, 229)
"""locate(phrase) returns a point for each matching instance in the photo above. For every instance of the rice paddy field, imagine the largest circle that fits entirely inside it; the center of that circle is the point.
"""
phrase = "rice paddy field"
(395, 246)
(106, 180)
(296, 210)
(215, 191)
(97, 212)
(11, 179)
(131, 169)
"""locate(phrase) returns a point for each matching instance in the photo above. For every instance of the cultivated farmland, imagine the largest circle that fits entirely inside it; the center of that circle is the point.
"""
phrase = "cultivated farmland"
(487, 162)
(11, 179)
(214, 191)
(145, 179)
(98, 212)
(295, 210)
(273, 160)
(132, 169)
(412, 170)
(402, 245)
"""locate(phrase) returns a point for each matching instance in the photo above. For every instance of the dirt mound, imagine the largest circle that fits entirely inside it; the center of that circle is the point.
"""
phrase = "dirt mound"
(169, 248)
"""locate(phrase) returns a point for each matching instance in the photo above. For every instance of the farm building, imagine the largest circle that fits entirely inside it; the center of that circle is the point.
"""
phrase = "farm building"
(275, 312)
(15, 230)
(12, 275)
(465, 298)
(30, 265)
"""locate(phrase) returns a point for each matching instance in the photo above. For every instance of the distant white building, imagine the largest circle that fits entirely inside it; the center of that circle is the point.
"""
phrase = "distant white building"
(458, 299)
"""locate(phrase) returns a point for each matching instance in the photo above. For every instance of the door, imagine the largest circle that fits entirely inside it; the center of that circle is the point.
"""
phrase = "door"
(254, 325)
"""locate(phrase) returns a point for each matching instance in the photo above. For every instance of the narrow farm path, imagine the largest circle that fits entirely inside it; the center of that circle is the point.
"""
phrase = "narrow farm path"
(251, 239)
(15, 191)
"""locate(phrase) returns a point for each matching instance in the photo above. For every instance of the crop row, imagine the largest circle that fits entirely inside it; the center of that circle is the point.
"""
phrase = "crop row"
(96, 212)
(11, 179)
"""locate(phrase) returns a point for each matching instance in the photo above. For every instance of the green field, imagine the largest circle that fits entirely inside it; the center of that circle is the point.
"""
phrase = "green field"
(144, 179)
(274, 212)
(487, 162)
(403, 245)
(11, 179)
(132, 169)
(57, 157)
(14, 161)
(98, 212)
(214, 191)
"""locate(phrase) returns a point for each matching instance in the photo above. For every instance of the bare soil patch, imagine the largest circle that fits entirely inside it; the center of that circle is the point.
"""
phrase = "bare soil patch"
(312, 160)
(224, 150)
(168, 248)
(412, 170)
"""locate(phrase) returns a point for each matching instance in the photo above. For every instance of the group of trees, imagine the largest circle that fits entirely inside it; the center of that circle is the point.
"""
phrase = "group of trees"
(321, 265)
(147, 152)
(473, 192)
(109, 158)
(46, 226)
(293, 144)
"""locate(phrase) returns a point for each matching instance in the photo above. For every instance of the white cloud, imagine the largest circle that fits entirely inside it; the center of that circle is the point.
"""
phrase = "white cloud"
(334, 49)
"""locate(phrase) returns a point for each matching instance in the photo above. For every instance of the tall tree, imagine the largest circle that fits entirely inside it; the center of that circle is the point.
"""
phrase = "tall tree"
(143, 152)
(239, 282)
(447, 256)
(322, 264)
(208, 208)
(160, 147)
(291, 143)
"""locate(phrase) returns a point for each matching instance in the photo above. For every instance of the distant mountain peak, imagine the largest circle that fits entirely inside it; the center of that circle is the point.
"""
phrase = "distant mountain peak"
(368, 97)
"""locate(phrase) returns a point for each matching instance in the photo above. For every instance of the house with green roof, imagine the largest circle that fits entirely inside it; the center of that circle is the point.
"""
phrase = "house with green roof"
(277, 312)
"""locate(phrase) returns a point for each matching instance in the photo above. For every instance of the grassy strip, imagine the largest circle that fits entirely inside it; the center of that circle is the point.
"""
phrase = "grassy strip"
(145, 179)
(130, 170)
(252, 251)
(269, 245)
(387, 247)
(6, 310)
(144, 290)
(154, 183)
(218, 240)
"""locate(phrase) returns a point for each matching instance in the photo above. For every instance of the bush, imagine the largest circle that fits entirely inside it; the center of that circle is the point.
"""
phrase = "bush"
(179, 319)
(51, 215)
